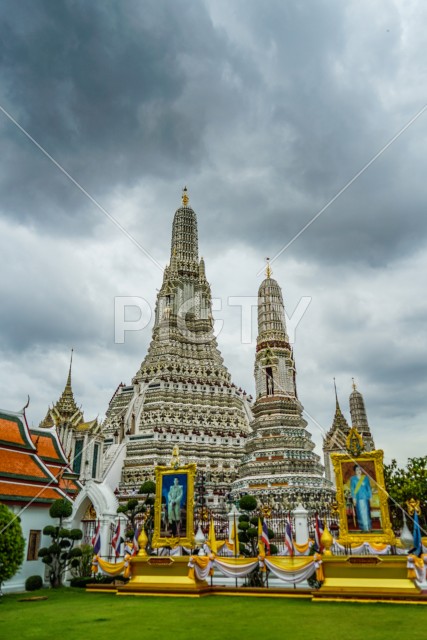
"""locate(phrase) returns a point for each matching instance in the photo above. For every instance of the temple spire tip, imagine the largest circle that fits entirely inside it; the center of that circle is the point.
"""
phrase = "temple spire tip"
(336, 394)
(184, 197)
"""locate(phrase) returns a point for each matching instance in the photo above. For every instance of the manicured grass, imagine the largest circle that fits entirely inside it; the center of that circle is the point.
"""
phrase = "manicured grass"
(73, 614)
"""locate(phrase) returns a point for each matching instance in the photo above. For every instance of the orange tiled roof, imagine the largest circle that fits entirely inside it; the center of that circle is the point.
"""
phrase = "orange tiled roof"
(23, 466)
(68, 485)
(15, 491)
(13, 432)
(48, 447)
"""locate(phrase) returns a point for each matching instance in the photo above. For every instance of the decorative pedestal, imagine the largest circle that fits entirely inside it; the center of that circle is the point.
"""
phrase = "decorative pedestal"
(164, 575)
(366, 578)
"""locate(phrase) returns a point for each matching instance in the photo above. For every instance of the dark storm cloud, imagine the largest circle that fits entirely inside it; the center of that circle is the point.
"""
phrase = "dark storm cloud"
(278, 109)
(100, 86)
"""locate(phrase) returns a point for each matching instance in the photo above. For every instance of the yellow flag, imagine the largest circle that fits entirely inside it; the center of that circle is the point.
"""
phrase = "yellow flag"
(235, 539)
(212, 543)
(261, 547)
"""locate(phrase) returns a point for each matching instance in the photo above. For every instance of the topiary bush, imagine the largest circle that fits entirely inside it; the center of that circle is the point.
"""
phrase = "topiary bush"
(81, 582)
(61, 555)
(12, 544)
(248, 503)
(33, 583)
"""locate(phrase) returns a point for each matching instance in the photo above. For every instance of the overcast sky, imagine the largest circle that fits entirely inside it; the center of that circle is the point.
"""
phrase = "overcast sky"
(265, 111)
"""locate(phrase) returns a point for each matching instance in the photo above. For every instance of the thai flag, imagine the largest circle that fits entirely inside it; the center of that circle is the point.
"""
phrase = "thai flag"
(288, 539)
(264, 538)
(135, 540)
(96, 540)
(318, 530)
(116, 541)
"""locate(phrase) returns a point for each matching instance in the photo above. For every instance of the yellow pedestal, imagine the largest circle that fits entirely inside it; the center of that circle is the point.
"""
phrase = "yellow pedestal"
(366, 577)
(165, 575)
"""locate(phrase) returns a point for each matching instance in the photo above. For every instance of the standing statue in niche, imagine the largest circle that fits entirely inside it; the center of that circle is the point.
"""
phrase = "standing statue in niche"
(270, 383)
(174, 507)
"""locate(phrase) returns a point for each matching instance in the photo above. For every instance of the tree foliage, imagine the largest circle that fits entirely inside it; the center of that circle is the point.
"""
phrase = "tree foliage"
(61, 554)
(402, 484)
(12, 544)
(248, 535)
(135, 507)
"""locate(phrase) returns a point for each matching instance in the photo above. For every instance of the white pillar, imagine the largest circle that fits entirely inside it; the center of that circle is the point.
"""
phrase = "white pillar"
(106, 549)
(232, 516)
(301, 524)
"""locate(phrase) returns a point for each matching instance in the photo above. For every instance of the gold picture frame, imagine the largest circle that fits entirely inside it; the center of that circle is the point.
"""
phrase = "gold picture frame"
(174, 506)
(362, 498)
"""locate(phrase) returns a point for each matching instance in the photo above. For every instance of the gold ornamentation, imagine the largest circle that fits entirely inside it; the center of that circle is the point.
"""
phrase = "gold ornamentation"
(185, 198)
(187, 539)
(326, 541)
(203, 513)
(354, 443)
(413, 506)
(334, 508)
(268, 270)
(347, 537)
(266, 511)
(175, 462)
(90, 513)
(142, 543)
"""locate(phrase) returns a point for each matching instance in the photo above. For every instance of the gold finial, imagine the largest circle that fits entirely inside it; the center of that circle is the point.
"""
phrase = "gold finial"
(354, 385)
(268, 271)
(175, 461)
(354, 442)
(413, 505)
(326, 540)
(185, 198)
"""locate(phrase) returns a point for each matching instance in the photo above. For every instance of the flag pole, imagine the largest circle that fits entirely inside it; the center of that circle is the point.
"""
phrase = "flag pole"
(235, 541)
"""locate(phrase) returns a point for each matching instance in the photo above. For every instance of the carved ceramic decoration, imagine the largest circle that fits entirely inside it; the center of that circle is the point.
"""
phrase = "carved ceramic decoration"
(362, 500)
(174, 506)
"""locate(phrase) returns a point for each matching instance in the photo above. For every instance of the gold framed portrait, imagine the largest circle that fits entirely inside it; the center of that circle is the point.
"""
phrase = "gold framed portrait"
(362, 498)
(174, 506)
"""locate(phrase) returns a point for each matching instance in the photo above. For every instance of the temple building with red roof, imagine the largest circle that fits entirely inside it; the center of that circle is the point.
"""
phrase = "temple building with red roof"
(34, 472)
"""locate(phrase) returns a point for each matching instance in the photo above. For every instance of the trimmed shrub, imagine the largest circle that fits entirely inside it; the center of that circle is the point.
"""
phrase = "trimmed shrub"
(248, 503)
(244, 518)
(81, 582)
(33, 583)
(61, 509)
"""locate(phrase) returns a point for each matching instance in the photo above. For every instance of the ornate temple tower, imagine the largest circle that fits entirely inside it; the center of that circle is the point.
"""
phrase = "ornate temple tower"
(335, 439)
(279, 459)
(359, 418)
(82, 441)
(182, 392)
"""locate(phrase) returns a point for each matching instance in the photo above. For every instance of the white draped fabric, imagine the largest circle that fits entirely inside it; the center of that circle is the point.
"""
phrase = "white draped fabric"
(292, 577)
(233, 570)
(201, 573)
(367, 548)
(420, 571)
(289, 571)
(401, 552)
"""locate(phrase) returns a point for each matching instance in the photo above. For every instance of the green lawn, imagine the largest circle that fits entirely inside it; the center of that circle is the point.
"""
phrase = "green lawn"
(73, 614)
